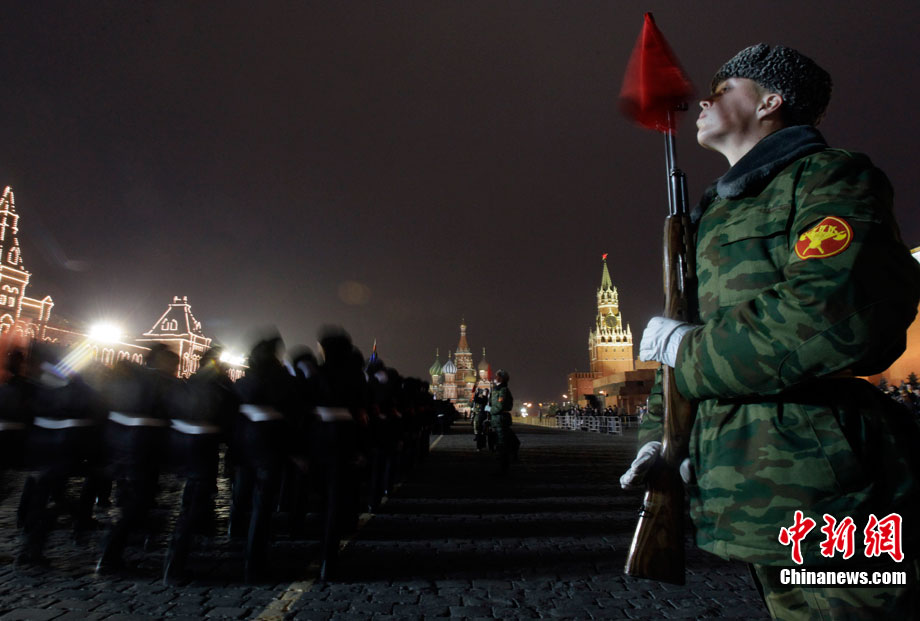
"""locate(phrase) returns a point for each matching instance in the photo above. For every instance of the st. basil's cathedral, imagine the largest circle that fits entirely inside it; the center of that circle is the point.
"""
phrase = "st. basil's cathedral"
(456, 379)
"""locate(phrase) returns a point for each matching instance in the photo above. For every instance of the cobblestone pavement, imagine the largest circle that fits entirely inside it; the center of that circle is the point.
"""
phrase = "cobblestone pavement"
(548, 540)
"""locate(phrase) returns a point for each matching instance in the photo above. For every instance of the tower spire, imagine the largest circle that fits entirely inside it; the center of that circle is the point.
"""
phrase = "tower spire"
(463, 346)
(606, 282)
(9, 227)
(610, 345)
(13, 276)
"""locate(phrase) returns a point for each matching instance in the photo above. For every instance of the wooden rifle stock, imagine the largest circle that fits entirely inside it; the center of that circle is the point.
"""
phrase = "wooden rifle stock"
(657, 549)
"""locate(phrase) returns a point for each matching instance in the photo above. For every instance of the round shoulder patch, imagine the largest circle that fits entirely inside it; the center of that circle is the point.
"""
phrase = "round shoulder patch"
(829, 237)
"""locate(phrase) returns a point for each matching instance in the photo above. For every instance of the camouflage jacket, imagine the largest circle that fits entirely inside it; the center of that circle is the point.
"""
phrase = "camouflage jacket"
(804, 282)
(501, 400)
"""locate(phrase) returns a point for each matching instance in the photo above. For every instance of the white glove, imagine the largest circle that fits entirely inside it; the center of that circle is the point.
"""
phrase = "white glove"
(686, 471)
(661, 340)
(634, 478)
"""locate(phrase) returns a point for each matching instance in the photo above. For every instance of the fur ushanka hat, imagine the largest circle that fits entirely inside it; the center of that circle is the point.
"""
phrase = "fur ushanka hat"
(805, 87)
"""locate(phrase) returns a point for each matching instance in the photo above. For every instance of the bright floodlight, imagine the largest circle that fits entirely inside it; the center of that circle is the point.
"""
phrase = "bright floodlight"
(105, 332)
(232, 358)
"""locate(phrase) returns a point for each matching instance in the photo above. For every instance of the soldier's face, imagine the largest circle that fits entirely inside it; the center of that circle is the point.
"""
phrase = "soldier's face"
(729, 113)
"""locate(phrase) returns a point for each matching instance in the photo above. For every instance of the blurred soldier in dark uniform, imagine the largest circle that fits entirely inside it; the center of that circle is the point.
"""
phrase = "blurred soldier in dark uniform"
(394, 431)
(207, 407)
(408, 437)
(500, 406)
(16, 392)
(382, 411)
(64, 441)
(424, 407)
(140, 401)
(341, 401)
(261, 443)
(296, 481)
(480, 415)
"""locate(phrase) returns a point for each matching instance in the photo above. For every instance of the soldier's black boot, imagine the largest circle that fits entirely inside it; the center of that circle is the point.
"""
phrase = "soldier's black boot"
(31, 555)
(240, 505)
(25, 500)
(174, 566)
(327, 570)
(111, 559)
(110, 562)
(37, 522)
(252, 571)
(504, 460)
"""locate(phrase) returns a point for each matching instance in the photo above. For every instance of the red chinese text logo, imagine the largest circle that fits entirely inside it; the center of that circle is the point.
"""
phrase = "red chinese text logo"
(838, 538)
(884, 536)
(881, 536)
(795, 533)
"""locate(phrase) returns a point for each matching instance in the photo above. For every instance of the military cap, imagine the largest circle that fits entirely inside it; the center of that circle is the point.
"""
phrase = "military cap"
(805, 87)
(502, 375)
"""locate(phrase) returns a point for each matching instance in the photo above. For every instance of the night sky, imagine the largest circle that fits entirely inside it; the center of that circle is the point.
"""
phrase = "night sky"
(391, 167)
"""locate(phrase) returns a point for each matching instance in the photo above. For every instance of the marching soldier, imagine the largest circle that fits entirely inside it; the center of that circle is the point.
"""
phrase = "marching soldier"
(204, 414)
(341, 407)
(16, 392)
(140, 401)
(65, 441)
(261, 442)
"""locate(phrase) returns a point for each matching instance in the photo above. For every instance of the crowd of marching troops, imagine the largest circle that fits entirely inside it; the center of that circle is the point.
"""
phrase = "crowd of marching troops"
(327, 436)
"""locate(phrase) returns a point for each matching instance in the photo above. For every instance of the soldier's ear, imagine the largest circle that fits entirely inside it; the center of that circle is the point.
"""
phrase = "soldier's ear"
(770, 103)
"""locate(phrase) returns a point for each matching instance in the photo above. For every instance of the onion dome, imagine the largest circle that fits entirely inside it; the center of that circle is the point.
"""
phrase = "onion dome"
(449, 366)
(463, 345)
(484, 365)
(435, 368)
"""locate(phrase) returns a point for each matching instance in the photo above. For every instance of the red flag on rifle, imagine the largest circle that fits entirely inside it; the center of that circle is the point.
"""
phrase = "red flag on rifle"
(654, 83)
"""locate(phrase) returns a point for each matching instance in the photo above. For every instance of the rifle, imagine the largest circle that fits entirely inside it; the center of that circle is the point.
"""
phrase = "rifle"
(657, 549)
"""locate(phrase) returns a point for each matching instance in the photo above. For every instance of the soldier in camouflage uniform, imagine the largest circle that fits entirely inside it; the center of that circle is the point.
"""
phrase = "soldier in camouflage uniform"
(804, 284)
(506, 442)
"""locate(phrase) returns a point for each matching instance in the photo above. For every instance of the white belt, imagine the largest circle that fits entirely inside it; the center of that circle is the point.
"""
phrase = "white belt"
(63, 423)
(331, 415)
(260, 413)
(183, 426)
(9, 425)
(136, 421)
